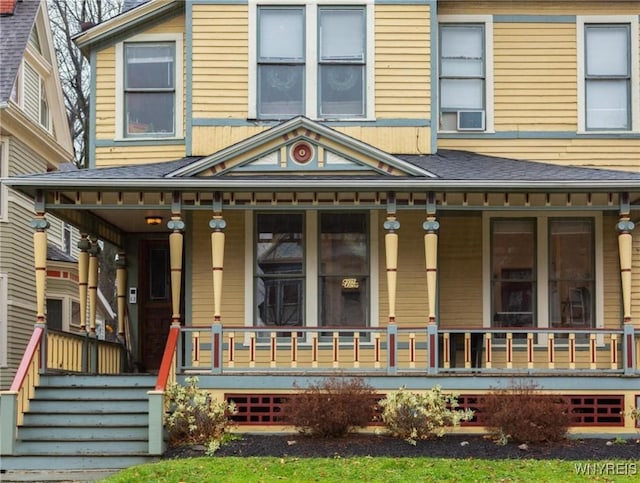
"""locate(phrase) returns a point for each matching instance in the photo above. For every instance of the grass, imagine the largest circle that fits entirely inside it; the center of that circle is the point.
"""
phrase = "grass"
(263, 470)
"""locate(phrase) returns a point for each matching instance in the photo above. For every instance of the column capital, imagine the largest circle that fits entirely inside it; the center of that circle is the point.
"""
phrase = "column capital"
(40, 224)
(431, 226)
(176, 225)
(217, 223)
(625, 225)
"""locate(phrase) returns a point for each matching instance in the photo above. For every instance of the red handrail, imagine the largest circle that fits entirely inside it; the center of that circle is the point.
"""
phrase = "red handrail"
(167, 358)
(27, 358)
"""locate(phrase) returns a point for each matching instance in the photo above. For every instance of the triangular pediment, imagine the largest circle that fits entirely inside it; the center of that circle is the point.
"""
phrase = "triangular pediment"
(297, 147)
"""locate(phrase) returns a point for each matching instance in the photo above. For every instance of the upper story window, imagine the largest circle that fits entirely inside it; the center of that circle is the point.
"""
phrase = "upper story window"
(149, 86)
(466, 81)
(34, 96)
(311, 60)
(608, 83)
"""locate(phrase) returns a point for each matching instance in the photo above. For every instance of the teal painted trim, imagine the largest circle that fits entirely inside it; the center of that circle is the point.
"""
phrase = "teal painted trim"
(156, 413)
(583, 382)
(188, 122)
(8, 421)
(435, 55)
(534, 18)
(109, 143)
(539, 135)
(258, 123)
(91, 151)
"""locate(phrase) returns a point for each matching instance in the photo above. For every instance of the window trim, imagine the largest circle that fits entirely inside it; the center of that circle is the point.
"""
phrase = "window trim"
(542, 261)
(487, 21)
(634, 108)
(311, 96)
(178, 120)
(67, 310)
(311, 296)
(4, 173)
(4, 316)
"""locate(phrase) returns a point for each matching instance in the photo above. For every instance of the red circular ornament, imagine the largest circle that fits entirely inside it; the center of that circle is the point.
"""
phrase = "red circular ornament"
(302, 152)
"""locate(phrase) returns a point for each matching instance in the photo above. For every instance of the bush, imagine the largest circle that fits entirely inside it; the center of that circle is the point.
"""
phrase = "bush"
(414, 416)
(331, 408)
(194, 418)
(521, 413)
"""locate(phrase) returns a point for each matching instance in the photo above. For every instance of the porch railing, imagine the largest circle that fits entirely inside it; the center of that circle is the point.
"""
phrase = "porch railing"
(52, 351)
(393, 350)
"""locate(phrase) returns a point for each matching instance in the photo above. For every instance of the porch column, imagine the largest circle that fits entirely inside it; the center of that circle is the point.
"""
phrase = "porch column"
(625, 226)
(217, 225)
(391, 224)
(94, 251)
(40, 225)
(83, 277)
(431, 227)
(176, 243)
(121, 291)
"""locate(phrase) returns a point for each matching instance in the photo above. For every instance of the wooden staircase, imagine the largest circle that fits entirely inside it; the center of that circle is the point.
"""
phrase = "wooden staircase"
(82, 422)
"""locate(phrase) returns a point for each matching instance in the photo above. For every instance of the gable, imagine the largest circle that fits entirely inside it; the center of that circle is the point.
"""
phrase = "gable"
(301, 146)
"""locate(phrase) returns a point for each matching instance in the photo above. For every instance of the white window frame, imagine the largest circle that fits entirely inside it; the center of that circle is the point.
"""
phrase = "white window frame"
(311, 309)
(311, 94)
(632, 21)
(542, 264)
(67, 310)
(4, 173)
(4, 315)
(177, 38)
(487, 21)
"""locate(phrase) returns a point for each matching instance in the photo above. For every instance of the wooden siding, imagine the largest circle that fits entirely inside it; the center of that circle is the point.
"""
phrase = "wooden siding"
(535, 69)
(105, 125)
(117, 155)
(612, 281)
(402, 61)
(220, 61)
(233, 278)
(548, 7)
(635, 279)
(460, 271)
(606, 153)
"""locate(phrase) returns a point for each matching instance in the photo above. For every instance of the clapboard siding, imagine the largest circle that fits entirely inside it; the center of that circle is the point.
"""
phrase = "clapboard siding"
(611, 262)
(116, 155)
(526, 7)
(635, 277)
(105, 102)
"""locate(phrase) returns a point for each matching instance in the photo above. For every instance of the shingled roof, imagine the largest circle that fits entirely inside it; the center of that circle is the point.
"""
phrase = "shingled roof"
(15, 29)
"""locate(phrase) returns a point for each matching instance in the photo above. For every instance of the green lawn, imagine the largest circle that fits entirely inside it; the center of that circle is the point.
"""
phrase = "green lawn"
(252, 469)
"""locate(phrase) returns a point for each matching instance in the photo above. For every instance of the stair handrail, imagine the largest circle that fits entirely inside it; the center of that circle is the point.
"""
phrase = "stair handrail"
(166, 374)
(15, 401)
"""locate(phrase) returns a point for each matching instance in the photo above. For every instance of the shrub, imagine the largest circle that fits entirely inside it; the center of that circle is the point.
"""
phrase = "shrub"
(521, 413)
(194, 418)
(413, 416)
(331, 408)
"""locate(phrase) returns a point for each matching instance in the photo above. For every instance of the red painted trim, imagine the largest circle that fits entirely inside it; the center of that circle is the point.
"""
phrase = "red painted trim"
(392, 350)
(629, 351)
(432, 352)
(27, 358)
(216, 351)
(167, 358)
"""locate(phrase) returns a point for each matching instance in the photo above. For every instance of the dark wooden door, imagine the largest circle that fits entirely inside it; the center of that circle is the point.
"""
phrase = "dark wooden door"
(155, 301)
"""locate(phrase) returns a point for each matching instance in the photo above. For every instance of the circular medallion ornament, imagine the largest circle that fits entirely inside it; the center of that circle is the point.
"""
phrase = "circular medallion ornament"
(302, 152)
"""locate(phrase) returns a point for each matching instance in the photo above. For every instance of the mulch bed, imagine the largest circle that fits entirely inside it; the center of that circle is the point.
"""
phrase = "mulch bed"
(449, 446)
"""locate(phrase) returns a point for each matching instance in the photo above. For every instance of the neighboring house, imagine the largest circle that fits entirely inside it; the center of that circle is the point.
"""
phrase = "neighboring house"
(420, 192)
(34, 137)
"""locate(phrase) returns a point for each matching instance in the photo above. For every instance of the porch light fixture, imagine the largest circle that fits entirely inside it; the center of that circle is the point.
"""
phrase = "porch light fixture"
(153, 220)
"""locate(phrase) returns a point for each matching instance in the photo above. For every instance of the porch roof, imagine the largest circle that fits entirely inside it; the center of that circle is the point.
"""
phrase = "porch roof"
(450, 170)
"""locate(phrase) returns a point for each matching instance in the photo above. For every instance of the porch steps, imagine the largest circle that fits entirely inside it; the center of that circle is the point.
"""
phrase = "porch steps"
(79, 422)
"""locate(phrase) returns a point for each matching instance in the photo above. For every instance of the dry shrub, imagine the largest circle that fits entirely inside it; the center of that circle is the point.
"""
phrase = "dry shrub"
(525, 415)
(332, 407)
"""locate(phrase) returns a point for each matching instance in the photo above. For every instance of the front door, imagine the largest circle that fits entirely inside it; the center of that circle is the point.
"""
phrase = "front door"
(155, 301)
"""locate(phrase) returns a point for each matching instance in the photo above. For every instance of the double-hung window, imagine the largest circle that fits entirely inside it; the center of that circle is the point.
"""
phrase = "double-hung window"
(149, 87)
(322, 280)
(608, 73)
(311, 60)
(465, 74)
(546, 259)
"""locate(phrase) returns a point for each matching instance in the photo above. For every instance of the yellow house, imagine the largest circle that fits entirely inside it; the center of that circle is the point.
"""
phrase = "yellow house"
(417, 192)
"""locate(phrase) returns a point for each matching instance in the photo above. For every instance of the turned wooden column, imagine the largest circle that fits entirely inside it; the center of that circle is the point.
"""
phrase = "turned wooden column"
(83, 277)
(625, 226)
(176, 245)
(121, 290)
(392, 225)
(431, 227)
(40, 226)
(217, 225)
(94, 251)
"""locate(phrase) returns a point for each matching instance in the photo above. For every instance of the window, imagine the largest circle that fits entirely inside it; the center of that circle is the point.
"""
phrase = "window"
(66, 238)
(608, 73)
(289, 265)
(149, 87)
(311, 60)
(4, 172)
(466, 66)
(35, 102)
(54, 313)
(542, 272)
